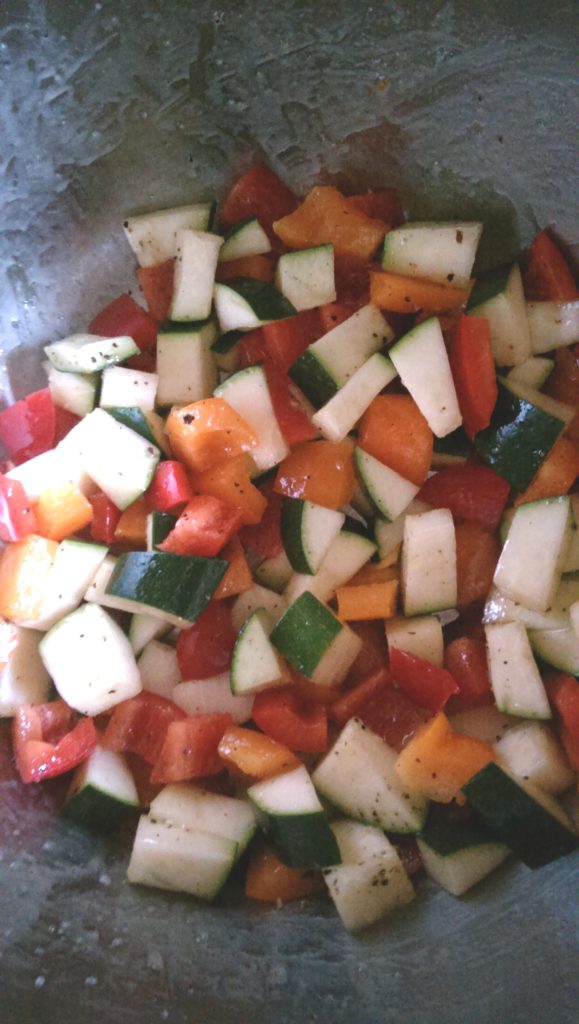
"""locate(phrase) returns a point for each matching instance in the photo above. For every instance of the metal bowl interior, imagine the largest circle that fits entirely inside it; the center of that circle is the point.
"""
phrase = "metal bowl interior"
(109, 108)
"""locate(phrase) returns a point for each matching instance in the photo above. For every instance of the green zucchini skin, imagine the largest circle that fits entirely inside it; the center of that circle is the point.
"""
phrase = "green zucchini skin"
(179, 584)
(519, 438)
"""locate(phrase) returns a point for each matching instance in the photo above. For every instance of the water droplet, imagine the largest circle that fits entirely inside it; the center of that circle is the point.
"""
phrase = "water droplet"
(39, 981)
(91, 981)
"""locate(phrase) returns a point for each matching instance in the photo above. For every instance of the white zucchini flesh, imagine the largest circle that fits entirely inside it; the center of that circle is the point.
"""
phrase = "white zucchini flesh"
(507, 316)
(571, 563)
(159, 669)
(421, 359)
(247, 238)
(257, 597)
(499, 608)
(115, 457)
(486, 723)
(531, 561)
(73, 391)
(125, 388)
(143, 627)
(359, 778)
(89, 353)
(90, 660)
(255, 663)
(190, 807)
(389, 536)
(195, 265)
(335, 664)
(23, 677)
(247, 392)
(420, 635)
(442, 252)
(552, 325)
(534, 372)
(346, 556)
(48, 470)
(344, 349)
(108, 773)
(338, 417)
(531, 752)
(429, 581)
(308, 531)
(205, 696)
(274, 573)
(74, 567)
(306, 277)
(574, 617)
(371, 881)
(186, 366)
(153, 236)
(459, 871)
(517, 685)
(557, 647)
(179, 859)
(388, 491)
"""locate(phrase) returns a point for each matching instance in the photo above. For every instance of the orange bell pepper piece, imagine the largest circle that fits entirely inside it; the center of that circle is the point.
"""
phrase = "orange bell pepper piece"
(477, 554)
(394, 431)
(326, 216)
(238, 576)
(230, 481)
(260, 267)
(255, 754)
(271, 881)
(399, 294)
(318, 471)
(131, 529)
(61, 511)
(367, 601)
(556, 474)
(208, 432)
(438, 761)
(24, 569)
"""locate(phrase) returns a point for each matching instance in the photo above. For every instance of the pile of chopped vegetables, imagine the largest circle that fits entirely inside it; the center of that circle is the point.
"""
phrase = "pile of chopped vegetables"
(291, 559)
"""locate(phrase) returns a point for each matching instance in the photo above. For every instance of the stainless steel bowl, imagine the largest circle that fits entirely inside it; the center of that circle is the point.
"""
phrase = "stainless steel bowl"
(111, 107)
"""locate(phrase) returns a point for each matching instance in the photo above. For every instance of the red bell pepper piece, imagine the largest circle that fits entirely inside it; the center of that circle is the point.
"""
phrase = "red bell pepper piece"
(470, 492)
(258, 193)
(47, 742)
(265, 538)
(426, 684)
(279, 715)
(352, 278)
(157, 285)
(290, 413)
(465, 658)
(563, 693)
(392, 716)
(139, 725)
(190, 748)
(285, 340)
(171, 488)
(17, 518)
(123, 316)
(381, 204)
(547, 275)
(205, 526)
(349, 704)
(105, 518)
(28, 427)
(251, 349)
(64, 421)
(205, 648)
(473, 370)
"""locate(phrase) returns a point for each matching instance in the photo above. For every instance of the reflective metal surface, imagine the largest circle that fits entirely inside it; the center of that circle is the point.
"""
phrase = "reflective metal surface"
(114, 107)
